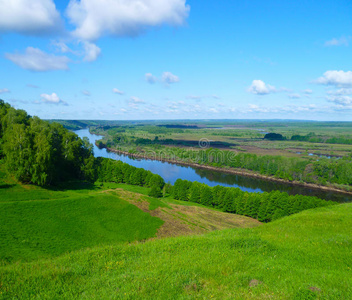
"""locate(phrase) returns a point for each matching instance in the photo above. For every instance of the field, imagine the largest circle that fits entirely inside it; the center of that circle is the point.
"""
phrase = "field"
(244, 136)
(305, 256)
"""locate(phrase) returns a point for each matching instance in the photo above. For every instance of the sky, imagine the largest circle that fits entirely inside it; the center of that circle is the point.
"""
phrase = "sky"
(176, 59)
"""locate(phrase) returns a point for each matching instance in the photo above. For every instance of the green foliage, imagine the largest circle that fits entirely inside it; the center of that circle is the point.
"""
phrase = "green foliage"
(155, 192)
(40, 152)
(265, 207)
(274, 137)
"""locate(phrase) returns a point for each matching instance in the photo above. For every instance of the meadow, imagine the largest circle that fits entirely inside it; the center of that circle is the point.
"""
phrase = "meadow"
(304, 256)
(37, 223)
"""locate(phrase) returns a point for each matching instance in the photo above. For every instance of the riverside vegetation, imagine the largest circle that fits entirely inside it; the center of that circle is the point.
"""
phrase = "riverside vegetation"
(72, 237)
(329, 162)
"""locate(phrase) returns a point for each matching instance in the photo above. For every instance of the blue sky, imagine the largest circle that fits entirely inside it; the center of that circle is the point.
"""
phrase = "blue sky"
(176, 59)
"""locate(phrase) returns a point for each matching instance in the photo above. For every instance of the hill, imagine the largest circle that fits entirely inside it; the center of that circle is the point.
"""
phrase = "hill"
(38, 222)
(303, 256)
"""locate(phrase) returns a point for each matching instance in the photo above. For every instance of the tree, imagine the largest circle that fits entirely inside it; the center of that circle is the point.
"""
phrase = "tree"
(155, 192)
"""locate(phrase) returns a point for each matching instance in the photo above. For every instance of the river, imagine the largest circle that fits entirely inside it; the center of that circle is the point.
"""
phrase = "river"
(171, 172)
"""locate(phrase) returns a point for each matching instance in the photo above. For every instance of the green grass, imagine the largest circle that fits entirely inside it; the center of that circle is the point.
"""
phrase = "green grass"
(305, 256)
(36, 229)
(131, 188)
(155, 203)
(38, 223)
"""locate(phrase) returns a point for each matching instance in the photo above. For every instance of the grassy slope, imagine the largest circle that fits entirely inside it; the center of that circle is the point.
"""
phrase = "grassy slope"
(304, 256)
(37, 223)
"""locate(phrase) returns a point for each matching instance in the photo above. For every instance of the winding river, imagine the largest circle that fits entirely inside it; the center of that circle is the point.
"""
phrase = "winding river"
(171, 172)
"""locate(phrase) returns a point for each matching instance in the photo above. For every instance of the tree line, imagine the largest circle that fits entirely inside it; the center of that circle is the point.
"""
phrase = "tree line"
(264, 207)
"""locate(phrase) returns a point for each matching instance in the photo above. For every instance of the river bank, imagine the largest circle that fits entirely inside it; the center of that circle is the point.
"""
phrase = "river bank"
(240, 172)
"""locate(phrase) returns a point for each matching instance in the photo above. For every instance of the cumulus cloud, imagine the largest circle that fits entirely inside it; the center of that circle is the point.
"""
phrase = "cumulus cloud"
(2, 91)
(52, 99)
(252, 108)
(136, 100)
(86, 93)
(168, 78)
(36, 60)
(341, 100)
(294, 96)
(91, 51)
(117, 91)
(340, 92)
(150, 78)
(342, 41)
(307, 91)
(336, 78)
(94, 19)
(33, 17)
(259, 87)
(62, 47)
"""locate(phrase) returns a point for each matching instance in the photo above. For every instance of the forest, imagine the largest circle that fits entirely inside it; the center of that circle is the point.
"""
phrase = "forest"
(40, 152)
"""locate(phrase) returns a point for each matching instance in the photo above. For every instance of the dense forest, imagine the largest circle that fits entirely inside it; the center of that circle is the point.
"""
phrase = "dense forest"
(40, 152)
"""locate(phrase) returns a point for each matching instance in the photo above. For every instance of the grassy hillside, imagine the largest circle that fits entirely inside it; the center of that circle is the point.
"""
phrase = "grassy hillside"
(37, 223)
(305, 256)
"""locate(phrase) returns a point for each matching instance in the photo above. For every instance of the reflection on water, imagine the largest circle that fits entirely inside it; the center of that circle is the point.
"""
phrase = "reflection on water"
(171, 172)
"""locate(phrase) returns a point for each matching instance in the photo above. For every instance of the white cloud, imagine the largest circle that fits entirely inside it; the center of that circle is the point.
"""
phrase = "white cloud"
(136, 100)
(36, 60)
(341, 100)
(32, 17)
(86, 93)
(308, 91)
(252, 108)
(294, 96)
(62, 47)
(52, 99)
(259, 87)
(117, 91)
(340, 92)
(91, 50)
(336, 78)
(94, 19)
(2, 91)
(342, 41)
(168, 78)
(150, 78)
